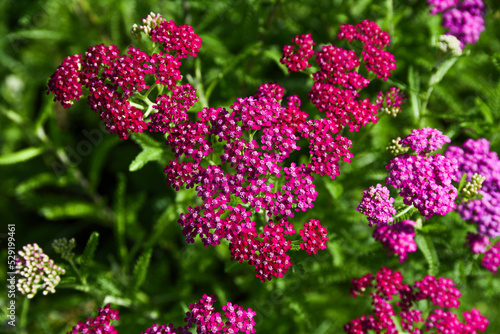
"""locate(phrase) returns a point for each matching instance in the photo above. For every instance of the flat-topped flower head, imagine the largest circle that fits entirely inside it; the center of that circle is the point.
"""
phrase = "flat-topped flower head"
(425, 140)
(491, 259)
(399, 238)
(298, 59)
(180, 39)
(36, 271)
(65, 83)
(101, 324)
(314, 235)
(377, 205)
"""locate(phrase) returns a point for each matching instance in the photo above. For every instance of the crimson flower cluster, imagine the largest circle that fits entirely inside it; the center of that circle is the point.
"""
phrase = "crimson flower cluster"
(475, 157)
(392, 300)
(201, 316)
(463, 18)
(337, 83)
(110, 80)
(249, 179)
(101, 324)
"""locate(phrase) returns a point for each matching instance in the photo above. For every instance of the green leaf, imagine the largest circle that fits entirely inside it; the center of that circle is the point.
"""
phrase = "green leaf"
(70, 209)
(41, 180)
(21, 156)
(141, 268)
(335, 189)
(89, 251)
(485, 110)
(36, 34)
(145, 141)
(145, 156)
(426, 246)
(462, 183)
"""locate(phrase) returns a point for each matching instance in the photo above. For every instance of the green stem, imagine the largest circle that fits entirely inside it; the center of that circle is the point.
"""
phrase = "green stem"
(24, 314)
(78, 273)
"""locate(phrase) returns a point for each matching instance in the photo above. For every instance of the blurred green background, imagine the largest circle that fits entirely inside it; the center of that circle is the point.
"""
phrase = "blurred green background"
(48, 197)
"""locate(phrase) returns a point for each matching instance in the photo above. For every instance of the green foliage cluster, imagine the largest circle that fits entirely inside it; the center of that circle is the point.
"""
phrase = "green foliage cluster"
(62, 175)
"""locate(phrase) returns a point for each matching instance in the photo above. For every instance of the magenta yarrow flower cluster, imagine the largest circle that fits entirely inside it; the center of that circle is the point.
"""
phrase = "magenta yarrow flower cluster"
(112, 82)
(423, 180)
(36, 271)
(337, 84)
(202, 316)
(377, 205)
(101, 324)
(398, 238)
(475, 157)
(387, 287)
(463, 18)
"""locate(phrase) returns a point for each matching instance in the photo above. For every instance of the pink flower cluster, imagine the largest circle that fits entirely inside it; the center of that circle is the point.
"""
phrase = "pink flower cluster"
(398, 238)
(298, 60)
(112, 80)
(377, 205)
(441, 292)
(314, 236)
(244, 183)
(424, 180)
(336, 85)
(475, 157)
(101, 324)
(463, 18)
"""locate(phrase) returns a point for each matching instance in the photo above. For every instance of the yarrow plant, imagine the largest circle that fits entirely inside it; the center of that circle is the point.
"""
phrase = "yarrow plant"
(235, 158)
(395, 306)
(36, 271)
(202, 317)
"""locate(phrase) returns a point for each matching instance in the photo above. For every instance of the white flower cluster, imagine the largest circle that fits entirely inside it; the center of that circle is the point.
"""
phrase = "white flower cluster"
(151, 21)
(449, 43)
(36, 271)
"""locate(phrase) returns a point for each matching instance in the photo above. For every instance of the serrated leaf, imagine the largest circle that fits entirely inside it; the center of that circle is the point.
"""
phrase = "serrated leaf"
(41, 180)
(70, 209)
(21, 156)
(426, 246)
(485, 110)
(141, 268)
(145, 141)
(89, 251)
(145, 156)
